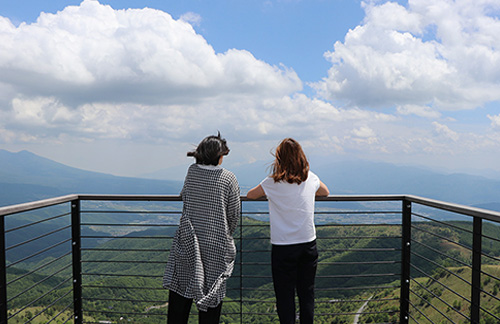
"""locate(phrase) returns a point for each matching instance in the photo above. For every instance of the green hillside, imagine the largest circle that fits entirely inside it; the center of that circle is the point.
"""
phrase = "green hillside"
(437, 299)
(120, 280)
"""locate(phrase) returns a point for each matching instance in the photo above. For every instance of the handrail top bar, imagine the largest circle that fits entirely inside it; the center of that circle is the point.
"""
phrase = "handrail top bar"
(456, 208)
(24, 207)
(452, 207)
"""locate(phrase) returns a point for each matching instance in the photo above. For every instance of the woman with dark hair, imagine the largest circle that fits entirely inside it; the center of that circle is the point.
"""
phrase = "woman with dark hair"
(291, 189)
(203, 251)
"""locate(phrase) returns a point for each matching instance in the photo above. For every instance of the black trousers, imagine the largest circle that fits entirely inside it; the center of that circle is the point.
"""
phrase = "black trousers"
(179, 308)
(294, 268)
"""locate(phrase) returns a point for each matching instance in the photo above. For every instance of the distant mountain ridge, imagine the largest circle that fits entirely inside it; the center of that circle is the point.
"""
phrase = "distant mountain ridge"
(363, 177)
(25, 176)
(366, 177)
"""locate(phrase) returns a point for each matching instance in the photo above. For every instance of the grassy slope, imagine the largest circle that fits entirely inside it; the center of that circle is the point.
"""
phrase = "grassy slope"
(332, 251)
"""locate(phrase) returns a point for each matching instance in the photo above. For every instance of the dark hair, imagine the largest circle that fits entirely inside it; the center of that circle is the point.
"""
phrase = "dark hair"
(210, 149)
(290, 162)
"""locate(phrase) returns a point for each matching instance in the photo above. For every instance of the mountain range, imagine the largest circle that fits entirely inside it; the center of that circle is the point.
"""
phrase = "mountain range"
(25, 176)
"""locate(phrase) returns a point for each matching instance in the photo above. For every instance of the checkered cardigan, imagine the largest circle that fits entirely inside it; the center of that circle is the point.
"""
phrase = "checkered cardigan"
(203, 251)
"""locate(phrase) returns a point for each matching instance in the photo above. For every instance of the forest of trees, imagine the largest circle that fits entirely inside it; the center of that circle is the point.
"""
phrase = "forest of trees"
(122, 282)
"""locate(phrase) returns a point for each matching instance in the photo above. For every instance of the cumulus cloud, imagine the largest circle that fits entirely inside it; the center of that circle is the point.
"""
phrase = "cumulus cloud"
(421, 111)
(90, 73)
(433, 52)
(93, 53)
(93, 73)
(243, 120)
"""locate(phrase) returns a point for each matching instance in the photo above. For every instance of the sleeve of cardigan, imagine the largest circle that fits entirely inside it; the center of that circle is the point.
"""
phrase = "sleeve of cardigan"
(233, 206)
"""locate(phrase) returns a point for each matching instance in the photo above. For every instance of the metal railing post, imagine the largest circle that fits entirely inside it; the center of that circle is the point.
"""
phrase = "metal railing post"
(3, 274)
(77, 258)
(476, 270)
(404, 312)
(241, 262)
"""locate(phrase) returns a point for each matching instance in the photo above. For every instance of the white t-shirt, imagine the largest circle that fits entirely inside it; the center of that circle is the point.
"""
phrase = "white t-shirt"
(291, 209)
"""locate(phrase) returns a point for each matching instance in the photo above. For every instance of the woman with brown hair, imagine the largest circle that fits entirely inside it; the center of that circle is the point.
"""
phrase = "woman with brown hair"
(291, 191)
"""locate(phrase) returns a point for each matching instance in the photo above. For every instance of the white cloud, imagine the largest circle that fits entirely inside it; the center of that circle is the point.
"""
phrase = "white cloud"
(434, 52)
(495, 121)
(92, 53)
(44, 119)
(445, 131)
(421, 111)
(364, 132)
(363, 135)
(140, 78)
(191, 17)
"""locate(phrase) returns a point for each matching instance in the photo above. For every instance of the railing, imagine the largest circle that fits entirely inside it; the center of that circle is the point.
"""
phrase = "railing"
(383, 259)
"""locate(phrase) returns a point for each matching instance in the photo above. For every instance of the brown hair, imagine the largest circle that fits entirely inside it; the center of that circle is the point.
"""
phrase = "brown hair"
(290, 162)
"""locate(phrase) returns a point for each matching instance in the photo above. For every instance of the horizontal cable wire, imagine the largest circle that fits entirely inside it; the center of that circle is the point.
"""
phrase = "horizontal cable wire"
(491, 238)
(121, 275)
(357, 263)
(438, 282)
(123, 313)
(37, 222)
(441, 267)
(124, 287)
(37, 283)
(362, 250)
(358, 225)
(490, 275)
(124, 250)
(38, 268)
(129, 225)
(126, 237)
(355, 313)
(62, 311)
(129, 212)
(51, 304)
(490, 257)
(437, 310)
(439, 298)
(357, 288)
(486, 311)
(335, 301)
(124, 261)
(38, 237)
(37, 253)
(128, 300)
(442, 237)
(40, 297)
(442, 223)
(443, 254)
(370, 275)
(357, 237)
(362, 212)
(418, 310)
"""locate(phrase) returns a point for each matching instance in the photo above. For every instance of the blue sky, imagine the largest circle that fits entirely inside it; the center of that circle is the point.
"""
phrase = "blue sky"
(288, 32)
(127, 87)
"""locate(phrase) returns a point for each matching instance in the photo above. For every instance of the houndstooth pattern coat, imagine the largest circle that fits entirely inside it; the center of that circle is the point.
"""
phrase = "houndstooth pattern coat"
(203, 251)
